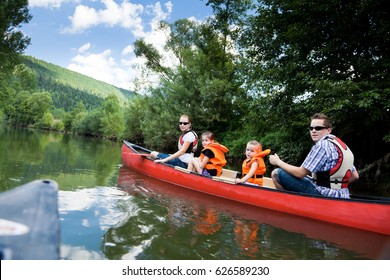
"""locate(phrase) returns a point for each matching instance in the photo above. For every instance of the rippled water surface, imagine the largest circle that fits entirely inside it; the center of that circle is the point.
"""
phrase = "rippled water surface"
(110, 212)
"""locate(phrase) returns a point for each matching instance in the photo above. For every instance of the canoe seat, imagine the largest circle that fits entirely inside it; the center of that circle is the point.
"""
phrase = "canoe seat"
(229, 173)
(224, 179)
(268, 183)
(227, 176)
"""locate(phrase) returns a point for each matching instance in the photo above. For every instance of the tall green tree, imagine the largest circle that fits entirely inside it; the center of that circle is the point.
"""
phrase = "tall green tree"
(13, 13)
(205, 84)
(28, 109)
(112, 119)
(328, 56)
(134, 118)
(229, 17)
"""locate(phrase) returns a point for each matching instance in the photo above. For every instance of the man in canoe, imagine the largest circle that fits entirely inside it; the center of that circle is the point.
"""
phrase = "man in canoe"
(329, 164)
(187, 144)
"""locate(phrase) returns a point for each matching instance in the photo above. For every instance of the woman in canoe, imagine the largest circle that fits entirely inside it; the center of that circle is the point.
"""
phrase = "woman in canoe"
(186, 146)
(212, 157)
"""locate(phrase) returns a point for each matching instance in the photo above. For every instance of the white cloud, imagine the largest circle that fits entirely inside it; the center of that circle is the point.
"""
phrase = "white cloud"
(125, 15)
(141, 77)
(96, 21)
(84, 48)
(101, 66)
(130, 71)
(48, 3)
(158, 13)
(128, 50)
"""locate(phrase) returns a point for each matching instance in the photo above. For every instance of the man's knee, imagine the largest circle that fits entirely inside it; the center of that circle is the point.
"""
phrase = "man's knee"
(275, 179)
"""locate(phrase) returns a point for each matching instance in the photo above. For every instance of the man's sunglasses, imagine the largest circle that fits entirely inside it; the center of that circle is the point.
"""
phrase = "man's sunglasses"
(184, 123)
(317, 128)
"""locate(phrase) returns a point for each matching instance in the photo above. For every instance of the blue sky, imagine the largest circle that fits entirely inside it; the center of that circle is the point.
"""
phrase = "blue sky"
(95, 37)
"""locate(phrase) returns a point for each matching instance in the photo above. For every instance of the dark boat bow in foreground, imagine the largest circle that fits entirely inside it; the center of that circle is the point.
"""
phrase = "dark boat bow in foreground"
(362, 213)
(29, 224)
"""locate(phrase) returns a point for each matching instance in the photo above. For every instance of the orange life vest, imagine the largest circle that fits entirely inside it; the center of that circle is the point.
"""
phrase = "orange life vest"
(257, 178)
(207, 222)
(219, 160)
(246, 237)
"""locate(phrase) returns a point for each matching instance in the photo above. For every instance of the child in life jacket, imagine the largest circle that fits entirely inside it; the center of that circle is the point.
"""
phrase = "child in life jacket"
(253, 167)
(212, 157)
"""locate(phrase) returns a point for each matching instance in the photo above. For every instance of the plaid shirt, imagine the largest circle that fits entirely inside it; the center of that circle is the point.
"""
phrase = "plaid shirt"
(322, 157)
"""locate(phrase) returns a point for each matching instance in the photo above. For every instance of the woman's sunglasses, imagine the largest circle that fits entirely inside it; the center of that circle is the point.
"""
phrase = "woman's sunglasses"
(183, 123)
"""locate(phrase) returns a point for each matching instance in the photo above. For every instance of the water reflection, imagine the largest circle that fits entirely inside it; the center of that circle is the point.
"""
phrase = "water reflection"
(86, 214)
(246, 236)
(71, 161)
(191, 225)
(109, 212)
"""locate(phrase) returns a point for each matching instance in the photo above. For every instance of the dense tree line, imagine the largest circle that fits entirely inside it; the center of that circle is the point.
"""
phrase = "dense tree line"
(56, 79)
(29, 106)
(260, 69)
(255, 70)
(67, 97)
(38, 101)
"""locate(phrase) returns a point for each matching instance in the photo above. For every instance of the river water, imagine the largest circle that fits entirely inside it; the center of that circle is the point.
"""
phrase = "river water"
(110, 212)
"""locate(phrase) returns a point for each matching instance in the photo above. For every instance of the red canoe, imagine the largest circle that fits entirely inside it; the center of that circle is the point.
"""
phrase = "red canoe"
(366, 213)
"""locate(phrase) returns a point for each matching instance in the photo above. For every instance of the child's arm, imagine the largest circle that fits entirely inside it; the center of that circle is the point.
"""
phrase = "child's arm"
(251, 172)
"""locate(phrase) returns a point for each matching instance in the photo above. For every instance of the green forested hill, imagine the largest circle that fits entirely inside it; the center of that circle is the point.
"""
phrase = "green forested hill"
(67, 87)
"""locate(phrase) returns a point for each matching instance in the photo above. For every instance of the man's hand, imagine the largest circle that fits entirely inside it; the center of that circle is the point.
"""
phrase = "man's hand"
(274, 159)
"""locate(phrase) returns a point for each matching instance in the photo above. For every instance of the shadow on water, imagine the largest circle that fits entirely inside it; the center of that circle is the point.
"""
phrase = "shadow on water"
(169, 222)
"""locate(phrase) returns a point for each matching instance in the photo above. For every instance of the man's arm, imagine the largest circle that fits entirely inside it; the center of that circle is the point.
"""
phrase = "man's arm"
(296, 171)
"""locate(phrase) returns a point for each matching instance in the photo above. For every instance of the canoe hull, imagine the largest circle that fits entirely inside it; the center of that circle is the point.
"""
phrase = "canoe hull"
(363, 214)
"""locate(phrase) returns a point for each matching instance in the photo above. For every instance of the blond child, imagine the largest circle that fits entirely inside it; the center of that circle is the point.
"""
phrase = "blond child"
(253, 167)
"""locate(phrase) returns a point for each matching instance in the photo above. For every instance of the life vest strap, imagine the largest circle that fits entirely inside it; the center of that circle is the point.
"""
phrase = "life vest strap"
(335, 181)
